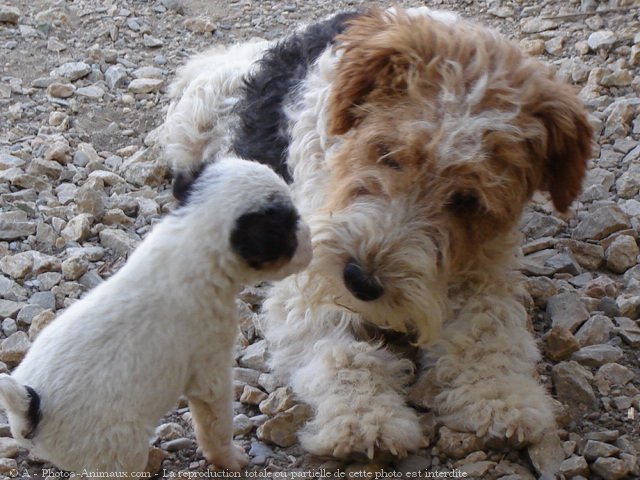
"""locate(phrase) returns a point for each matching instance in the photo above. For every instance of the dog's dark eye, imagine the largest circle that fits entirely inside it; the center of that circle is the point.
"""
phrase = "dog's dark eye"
(465, 203)
(385, 157)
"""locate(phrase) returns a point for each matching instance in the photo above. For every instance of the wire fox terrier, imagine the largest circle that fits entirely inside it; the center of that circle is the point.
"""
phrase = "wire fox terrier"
(98, 379)
(413, 140)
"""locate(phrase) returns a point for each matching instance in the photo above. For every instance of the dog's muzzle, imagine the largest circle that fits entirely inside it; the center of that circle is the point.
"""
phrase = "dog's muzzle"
(361, 284)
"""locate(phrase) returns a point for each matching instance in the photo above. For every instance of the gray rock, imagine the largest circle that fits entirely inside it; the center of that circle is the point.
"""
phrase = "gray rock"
(148, 72)
(600, 287)
(619, 116)
(609, 307)
(622, 254)
(541, 290)
(278, 401)
(14, 348)
(560, 343)
(575, 465)
(90, 201)
(537, 225)
(9, 308)
(477, 469)
(58, 151)
(567, 310)
(597, 355)
(573, 385)
(610, 468)
(11, 290)
(143, 168)
(628, 184)
(117, 241)
(603, 436)
(17, 266)
(92, 91)
(152, 42)
(28, 313)
(537, 25)
(46, 300)
(74, 267)
(178, 444)
(594, 331)
(601, 223)
(71, 71)
(628, 305)
(563, 262)
(145, 85)
(55, 45)
(90, 280)
(9, 327)
(611, 374)
(242, 425)
(588, 255)
(169, 431)
(601, 39)
(9, 14)
(49, 168)
(246, 376)
(547, 455)
(48, 280)
(40, 321)
(594, 449)
(413, 463)
(255, 356)
(259, 453)
(9, 161)
(252, 395)
(12, 228)
(115, 76)
(78, 228)
(282, 429)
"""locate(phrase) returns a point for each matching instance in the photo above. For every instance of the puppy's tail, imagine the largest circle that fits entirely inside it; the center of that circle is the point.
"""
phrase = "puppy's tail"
(22, 405)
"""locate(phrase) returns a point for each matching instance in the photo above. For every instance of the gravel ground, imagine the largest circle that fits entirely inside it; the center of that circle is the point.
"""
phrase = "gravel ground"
(82, 88)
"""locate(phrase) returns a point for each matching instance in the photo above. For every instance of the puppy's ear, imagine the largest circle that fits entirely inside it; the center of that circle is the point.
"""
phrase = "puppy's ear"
(366, 57)
(567, 148)
(266, 235)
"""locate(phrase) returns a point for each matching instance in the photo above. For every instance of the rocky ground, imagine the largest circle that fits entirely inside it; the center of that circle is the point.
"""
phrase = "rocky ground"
(82, 88)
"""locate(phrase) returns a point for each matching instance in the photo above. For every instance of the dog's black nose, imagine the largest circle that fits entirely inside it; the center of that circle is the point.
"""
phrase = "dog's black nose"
(361, 284)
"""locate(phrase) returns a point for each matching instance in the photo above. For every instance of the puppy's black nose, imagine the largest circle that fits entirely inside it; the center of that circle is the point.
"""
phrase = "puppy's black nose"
(361, 284)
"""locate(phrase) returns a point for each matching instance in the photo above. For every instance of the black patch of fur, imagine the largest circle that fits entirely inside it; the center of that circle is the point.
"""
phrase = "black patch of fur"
(183, 182)
(262, 134)
(34, 414)
(266, 235)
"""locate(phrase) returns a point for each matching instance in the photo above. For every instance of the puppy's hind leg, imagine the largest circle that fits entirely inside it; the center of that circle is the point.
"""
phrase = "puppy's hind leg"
(212, 414)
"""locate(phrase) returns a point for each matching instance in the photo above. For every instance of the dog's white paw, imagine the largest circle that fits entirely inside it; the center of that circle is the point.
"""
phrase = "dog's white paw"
(341, 433)
(499, 422)
(231, 457)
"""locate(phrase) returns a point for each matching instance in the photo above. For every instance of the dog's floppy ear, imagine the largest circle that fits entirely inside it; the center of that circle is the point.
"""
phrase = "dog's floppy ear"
(567, 147)
(366, 57)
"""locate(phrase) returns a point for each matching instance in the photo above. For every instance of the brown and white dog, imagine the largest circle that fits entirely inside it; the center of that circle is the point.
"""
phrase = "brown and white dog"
(413, 140)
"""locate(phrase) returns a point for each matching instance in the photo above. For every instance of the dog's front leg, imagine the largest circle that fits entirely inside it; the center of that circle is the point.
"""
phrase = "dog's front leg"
(484, 374)
(211, 408)
(357, 391)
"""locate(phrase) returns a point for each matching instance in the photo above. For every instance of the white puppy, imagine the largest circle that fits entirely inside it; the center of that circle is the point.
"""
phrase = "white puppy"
(98, 379)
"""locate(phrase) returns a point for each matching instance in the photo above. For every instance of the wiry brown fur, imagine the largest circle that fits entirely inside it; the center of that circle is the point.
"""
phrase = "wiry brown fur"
(392, 85)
